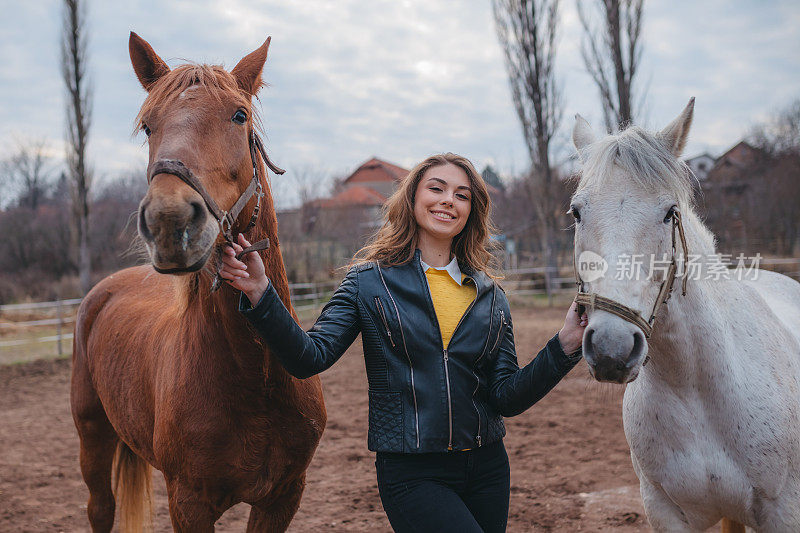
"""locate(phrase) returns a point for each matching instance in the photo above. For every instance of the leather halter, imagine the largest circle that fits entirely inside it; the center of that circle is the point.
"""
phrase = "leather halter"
(225, 219)
(595, 301)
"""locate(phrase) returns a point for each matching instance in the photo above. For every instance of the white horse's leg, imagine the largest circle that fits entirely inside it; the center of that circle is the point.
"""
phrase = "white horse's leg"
(661, 511)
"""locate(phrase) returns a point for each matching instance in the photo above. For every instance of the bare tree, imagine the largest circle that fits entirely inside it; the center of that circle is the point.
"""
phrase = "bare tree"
(28, 170)
(780, 135)
(79, 114)
(527, 33)
(611, 52)
(778, 204)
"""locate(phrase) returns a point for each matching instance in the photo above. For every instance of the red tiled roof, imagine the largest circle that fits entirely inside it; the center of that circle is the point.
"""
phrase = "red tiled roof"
(354, 195)
(741, 154)
(376, 170)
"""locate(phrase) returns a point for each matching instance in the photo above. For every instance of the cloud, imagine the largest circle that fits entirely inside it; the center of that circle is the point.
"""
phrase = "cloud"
(395, 79)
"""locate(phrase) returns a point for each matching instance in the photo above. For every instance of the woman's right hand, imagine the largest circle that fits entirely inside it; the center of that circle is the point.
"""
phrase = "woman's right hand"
(247, 276)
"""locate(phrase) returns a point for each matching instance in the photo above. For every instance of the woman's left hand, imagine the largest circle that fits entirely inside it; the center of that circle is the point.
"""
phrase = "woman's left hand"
(571, 334)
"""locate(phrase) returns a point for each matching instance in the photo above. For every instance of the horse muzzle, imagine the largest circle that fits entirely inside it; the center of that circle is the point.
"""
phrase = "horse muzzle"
(177, 230)
(614, 354)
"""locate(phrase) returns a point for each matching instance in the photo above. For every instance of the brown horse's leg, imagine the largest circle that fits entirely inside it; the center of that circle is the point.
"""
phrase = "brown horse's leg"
(98, 445)
(190, 511)
(275, 514)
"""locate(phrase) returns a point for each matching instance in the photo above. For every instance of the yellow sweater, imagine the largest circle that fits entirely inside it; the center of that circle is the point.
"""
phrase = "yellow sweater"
(450, 300)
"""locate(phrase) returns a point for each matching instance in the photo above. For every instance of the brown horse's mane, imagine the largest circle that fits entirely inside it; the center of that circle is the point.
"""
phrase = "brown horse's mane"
(221, 84)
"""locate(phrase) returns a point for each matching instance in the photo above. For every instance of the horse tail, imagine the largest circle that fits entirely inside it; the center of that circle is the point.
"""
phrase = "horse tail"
(731, 526)
(133, 490)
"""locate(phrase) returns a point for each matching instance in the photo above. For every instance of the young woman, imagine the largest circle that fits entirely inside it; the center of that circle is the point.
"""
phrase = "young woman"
(438, 347)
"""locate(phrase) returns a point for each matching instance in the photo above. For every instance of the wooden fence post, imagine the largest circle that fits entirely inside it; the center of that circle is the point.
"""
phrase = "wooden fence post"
(59, 310)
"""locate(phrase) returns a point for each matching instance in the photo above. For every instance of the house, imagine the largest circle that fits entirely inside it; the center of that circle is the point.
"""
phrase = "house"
(752, 199)
(323, 234)
(361, 195)
(701, 165)
(733, 170)
(375, 174)
(492, 180)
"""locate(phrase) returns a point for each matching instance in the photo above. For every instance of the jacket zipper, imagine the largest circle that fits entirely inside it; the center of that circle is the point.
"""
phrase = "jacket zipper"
(446, 367)
(405, 349)
(499, 331)
(449, 403)
(379, 305)
(477, 379)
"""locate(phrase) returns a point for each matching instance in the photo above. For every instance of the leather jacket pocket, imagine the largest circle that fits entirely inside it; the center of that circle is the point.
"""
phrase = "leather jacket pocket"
(385, 421)
(382, 313)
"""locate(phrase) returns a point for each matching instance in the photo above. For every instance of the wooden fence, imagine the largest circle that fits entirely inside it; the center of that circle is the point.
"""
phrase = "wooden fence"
(44, 323)
(24, 326)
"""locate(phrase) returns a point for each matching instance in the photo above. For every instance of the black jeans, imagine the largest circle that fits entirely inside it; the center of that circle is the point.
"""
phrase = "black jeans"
(464, 492)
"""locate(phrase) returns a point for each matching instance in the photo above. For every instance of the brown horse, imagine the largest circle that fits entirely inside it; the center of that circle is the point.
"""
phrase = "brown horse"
(168, 373)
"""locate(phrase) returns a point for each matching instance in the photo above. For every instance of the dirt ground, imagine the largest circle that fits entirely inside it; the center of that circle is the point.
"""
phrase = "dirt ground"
(569, 460)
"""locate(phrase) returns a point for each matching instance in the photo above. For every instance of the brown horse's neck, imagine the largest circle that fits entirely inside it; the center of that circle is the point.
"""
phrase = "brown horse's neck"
(219, 309)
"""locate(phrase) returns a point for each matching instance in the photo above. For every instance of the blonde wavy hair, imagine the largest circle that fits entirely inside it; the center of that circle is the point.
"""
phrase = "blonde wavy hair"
(396, 241)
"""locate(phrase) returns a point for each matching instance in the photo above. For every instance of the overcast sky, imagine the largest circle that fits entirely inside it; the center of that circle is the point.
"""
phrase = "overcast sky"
(400, 80)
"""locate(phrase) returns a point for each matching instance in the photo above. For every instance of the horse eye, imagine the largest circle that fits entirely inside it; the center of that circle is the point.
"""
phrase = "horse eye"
(146, 129)
(575, 213)
(670, 214)
(240, 117)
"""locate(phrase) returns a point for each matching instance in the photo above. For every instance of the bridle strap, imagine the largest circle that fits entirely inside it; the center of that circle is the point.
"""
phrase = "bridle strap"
(595, 301)
(225, 219)
(179, 170)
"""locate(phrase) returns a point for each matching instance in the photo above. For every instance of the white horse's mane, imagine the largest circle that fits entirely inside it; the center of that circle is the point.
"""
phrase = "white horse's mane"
(642, 156)
(648, 162)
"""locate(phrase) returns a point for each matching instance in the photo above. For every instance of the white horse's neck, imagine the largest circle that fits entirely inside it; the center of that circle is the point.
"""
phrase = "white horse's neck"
(687, 339)
(689, 333)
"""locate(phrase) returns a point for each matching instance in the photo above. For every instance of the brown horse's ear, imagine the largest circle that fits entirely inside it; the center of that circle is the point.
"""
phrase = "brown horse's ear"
(248, 71)
(146, 63)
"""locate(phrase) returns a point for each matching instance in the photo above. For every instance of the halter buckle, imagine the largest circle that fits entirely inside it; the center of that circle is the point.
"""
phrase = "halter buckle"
(225, 219)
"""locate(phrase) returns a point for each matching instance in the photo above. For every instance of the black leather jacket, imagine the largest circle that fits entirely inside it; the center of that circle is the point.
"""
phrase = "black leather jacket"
(422, 398)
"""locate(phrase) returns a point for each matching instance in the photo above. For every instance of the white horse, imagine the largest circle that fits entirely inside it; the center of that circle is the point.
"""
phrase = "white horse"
(713, 416)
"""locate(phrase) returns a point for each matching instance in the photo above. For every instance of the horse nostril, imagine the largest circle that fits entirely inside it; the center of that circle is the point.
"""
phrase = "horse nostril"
(621, 366)
(588, 340)
(143, 229)
(198, 212)
(638, 345)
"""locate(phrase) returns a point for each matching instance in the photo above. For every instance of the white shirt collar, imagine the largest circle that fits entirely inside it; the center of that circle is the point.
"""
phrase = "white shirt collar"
(451, 268)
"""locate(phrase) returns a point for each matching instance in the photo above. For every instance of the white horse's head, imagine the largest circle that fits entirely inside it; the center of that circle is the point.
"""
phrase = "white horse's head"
(630, 185)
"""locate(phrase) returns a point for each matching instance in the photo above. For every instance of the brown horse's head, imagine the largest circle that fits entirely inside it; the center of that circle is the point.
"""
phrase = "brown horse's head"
(202, 116)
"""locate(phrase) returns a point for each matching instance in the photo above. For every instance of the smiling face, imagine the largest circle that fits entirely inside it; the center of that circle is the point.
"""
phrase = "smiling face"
(442, 202)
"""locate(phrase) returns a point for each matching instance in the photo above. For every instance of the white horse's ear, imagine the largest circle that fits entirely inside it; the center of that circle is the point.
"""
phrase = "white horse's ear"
(675, 135)
(582, 135)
